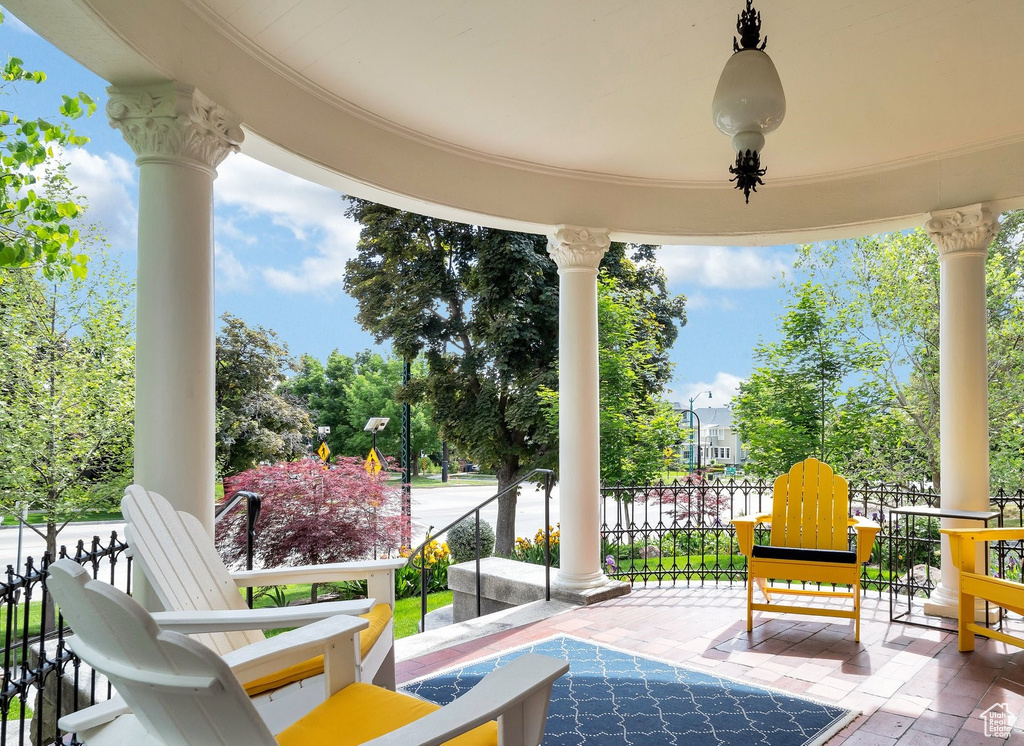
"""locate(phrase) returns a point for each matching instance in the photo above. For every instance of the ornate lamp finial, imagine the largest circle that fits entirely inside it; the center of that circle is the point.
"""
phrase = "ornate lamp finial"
(748, 25)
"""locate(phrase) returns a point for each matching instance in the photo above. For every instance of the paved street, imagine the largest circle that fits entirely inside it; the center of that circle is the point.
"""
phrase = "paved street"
(435, 507)
(439, 506)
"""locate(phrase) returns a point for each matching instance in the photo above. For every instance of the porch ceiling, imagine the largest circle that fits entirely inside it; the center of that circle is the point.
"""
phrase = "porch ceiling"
(527, 113)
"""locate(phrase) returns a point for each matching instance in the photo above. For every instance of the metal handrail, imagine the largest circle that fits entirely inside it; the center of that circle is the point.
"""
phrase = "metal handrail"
(549, 480)
(253, 504)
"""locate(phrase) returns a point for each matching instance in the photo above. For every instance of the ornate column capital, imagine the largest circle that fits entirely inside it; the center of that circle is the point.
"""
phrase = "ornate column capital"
(578, 248)
(963, 231)
(176, 121)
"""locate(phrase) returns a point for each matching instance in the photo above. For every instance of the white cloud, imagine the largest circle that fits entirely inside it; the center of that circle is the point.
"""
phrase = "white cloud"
(724, 266)
(311, 213)
(717, 302)
(231, 273)
(105, 181)
(723, 389)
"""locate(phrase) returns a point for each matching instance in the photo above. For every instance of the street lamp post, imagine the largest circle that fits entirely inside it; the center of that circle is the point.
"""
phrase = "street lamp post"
(692, 415)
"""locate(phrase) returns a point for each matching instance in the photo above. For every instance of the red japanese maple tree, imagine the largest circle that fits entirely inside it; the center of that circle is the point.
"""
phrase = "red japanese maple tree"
(312, 515)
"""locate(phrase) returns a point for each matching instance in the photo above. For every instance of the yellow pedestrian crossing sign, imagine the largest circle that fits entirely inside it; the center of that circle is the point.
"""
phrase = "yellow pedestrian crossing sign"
(373, 465)
(323, 452)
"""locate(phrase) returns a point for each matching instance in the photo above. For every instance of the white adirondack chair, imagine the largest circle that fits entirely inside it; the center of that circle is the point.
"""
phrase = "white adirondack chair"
(180, 561)
(175, 691)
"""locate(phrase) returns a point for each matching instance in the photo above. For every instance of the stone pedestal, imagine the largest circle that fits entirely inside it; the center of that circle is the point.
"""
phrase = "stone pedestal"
(506, 583)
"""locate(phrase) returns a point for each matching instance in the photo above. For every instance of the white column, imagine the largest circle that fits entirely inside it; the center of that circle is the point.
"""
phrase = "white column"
(179, 136)
(577, 252)
(962, 237)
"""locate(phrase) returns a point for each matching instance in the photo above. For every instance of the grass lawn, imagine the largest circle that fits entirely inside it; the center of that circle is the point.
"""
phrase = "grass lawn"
(679, 562)
(14, 713)
(407, 612)
(88, 516)
(454, 480)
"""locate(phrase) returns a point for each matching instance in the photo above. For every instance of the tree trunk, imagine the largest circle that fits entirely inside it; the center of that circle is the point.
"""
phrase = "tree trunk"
(505, 531)
(49, 621)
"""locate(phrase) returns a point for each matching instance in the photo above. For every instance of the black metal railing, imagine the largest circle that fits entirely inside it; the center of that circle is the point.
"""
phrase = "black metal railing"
(42, 679)
(681, 532)
(253, 505)
(548, 478)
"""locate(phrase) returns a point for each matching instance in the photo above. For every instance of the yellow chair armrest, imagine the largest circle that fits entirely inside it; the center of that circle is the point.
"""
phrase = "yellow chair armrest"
(745, 531)
(985, 534)
(866, 531)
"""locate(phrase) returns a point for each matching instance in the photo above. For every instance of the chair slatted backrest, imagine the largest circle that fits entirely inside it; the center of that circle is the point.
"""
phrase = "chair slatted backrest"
(180, 691)
(810, 507)
(182, 563)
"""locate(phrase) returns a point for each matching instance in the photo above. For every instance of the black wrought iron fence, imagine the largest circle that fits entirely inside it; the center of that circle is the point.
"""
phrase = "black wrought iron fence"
(42, 678)
(681, 532)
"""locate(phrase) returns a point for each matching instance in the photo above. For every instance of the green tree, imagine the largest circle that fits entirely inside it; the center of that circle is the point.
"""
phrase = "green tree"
(67, 393)
(637, 425)
(321, 388)
(805, 397)
(37, 226)
(374, 392)
(889, 288)
(482, 305)
(348, 391)
(256, 421)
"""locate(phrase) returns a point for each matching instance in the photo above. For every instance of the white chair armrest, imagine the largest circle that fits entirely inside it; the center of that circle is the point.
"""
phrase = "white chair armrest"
(93, 716)
(290, 648)
(329, 573)
(223, 620)
(528, 676)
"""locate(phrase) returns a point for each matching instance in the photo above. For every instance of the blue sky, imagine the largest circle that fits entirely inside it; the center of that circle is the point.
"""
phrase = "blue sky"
(282, 244)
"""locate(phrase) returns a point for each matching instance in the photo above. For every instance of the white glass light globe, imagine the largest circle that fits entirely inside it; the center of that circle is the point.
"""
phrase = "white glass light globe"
(749, 97)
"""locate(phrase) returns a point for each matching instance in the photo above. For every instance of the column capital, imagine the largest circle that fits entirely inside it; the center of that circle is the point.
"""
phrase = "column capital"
(962, 231)
(170, 120)
(573, 247)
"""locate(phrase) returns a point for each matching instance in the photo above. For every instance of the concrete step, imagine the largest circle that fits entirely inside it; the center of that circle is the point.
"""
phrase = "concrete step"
(473, 629)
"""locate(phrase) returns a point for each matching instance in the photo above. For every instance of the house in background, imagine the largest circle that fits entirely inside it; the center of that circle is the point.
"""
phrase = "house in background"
(719, 440)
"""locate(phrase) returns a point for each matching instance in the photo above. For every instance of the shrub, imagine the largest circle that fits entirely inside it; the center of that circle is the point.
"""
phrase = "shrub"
(462, 540)
(311, 515)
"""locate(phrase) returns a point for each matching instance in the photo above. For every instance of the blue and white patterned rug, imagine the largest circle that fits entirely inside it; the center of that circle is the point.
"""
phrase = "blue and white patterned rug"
(615, 697)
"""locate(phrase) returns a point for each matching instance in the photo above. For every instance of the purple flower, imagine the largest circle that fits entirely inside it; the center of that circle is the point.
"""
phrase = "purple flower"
(857, 512)
(610, 561)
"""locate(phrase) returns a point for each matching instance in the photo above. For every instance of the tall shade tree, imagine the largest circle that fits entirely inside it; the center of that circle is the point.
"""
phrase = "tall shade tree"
(482, 306)
(805, 398)
(890, 285)
(67, 391)
(37, 226)
(256, 422)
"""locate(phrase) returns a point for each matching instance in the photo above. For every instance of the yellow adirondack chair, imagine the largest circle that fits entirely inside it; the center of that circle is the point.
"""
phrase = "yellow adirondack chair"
(809, 521)
(1004, 593)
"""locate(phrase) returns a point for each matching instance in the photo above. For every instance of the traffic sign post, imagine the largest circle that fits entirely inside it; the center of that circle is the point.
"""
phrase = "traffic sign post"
(324, 452)
(373, 465)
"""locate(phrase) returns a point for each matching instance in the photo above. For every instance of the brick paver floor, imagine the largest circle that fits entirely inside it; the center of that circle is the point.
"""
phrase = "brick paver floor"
(912, 684)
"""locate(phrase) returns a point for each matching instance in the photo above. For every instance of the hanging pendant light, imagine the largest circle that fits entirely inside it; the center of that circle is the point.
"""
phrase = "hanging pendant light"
(749, 101)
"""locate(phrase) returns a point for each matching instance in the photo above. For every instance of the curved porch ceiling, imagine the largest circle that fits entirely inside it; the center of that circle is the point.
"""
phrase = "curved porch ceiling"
(529, 113)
